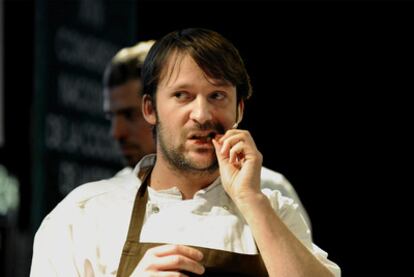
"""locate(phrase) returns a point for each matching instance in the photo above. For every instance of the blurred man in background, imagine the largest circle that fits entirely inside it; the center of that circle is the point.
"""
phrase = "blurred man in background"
(122, 103)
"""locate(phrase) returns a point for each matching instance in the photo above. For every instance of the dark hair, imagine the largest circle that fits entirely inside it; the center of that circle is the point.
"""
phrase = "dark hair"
(126, 64)
(213, 53)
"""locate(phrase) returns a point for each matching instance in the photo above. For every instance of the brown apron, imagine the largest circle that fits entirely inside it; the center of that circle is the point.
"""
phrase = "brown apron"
(216, 262)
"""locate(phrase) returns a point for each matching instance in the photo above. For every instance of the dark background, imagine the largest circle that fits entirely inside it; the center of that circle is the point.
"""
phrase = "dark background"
(330, 110)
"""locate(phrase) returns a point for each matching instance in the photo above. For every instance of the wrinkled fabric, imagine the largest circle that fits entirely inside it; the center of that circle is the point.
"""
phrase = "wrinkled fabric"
(91, 224)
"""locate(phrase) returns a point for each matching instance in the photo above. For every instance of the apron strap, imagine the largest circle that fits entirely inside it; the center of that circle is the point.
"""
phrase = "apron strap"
(131, 252)
(138, 213)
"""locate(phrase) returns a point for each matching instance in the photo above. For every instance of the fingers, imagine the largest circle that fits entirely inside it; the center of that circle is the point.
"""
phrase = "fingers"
(170, 274)
(169, 249)
(234, 143)
(179, 262)
(178, 257)
(170, 260)
(236, 154)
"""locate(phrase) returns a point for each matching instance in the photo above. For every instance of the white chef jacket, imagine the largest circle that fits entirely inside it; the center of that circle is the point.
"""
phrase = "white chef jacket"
(269, 179)
(92, 222)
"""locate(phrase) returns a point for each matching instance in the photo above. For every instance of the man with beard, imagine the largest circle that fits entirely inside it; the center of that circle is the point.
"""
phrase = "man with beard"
(122, 106)
(196, 206)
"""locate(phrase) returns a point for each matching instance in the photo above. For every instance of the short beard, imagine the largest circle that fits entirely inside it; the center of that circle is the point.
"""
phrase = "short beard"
(176, 159)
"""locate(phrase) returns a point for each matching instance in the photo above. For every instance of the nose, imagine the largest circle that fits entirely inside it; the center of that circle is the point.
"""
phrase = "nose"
(201, 111)
(119, 128)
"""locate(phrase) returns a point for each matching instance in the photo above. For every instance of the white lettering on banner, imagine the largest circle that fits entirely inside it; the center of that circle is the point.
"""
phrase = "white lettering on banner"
(80, 93)
(79, 137)
(86, 51)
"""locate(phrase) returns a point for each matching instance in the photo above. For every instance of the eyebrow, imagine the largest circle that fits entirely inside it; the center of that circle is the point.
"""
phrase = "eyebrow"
(216, 83)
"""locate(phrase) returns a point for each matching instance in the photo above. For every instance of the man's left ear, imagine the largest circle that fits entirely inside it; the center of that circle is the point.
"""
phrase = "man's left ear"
(148, 109)
(240, 110)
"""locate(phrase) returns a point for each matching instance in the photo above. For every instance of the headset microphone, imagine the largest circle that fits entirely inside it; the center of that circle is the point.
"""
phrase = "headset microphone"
(236, 124)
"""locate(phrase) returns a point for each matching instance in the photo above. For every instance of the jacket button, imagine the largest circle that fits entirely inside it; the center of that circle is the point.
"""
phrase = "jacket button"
(155, 209)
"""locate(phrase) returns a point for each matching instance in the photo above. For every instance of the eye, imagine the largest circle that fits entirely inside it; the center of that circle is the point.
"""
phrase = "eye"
(129, 114)
(217, 95)
(181, 95)
(133, 114)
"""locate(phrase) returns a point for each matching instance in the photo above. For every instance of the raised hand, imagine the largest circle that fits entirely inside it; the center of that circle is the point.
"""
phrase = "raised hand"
(240, 164)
